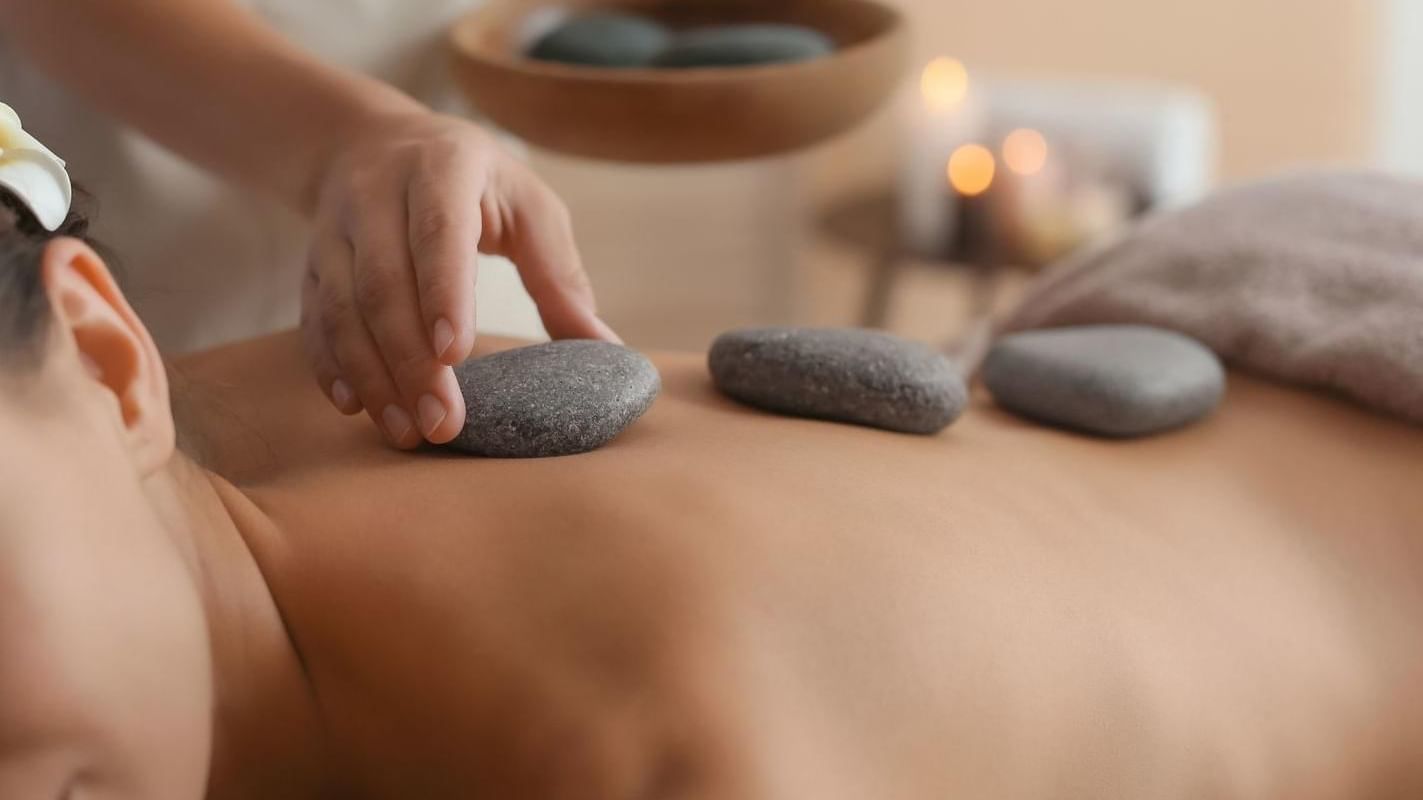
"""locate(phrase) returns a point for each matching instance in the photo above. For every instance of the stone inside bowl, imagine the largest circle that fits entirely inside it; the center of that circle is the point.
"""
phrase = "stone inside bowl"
(620, 39)
(744, 45)
(597, 39)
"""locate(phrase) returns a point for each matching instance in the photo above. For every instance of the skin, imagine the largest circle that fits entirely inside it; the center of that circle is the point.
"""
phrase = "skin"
(721, 603)
(401, 199)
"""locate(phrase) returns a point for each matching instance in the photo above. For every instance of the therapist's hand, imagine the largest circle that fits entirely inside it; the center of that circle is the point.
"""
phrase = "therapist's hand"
(388, 301)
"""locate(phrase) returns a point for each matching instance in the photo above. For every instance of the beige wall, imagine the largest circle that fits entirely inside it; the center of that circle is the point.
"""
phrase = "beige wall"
(679, 254)
(1293, 81)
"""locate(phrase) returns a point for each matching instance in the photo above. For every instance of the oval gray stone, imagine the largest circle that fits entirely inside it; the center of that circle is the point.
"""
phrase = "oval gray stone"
(840, 374)
(603, 40)
(552, 399)
(1109, 380)
(741, 45)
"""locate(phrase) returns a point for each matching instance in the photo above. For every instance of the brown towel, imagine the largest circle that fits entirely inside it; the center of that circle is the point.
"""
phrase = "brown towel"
(1314, 279)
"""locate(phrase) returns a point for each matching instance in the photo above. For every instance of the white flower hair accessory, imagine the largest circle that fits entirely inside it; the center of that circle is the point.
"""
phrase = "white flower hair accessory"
(35, 175)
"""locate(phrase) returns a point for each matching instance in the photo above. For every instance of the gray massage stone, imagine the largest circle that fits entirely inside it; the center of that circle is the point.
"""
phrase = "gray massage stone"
(552, 399)
(603, 40)
(1110, 380)
(840, 374)
(740, 45)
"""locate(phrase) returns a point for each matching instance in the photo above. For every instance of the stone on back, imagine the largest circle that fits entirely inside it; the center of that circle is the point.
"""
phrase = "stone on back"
(840, 374)
(553, 399)
(1109, 380)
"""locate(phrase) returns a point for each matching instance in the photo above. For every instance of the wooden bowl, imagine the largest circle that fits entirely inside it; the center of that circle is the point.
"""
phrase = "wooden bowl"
(680, 115)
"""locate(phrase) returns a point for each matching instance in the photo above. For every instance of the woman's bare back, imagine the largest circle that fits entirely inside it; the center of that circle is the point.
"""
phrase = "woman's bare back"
(723, 603)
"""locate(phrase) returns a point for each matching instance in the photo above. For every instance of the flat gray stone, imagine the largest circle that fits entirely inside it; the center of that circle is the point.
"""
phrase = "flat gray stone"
(552, 399)
(603, 40)
(841, 374)
(1110, 380)
(740, 45)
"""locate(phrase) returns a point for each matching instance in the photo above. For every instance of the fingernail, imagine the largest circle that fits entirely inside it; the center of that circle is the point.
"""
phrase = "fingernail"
(341, 394)
(443, 336)
(432, 413)
(397, 423)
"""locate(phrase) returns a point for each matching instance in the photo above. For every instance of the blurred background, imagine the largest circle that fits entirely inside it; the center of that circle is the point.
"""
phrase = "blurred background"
(1024, 129)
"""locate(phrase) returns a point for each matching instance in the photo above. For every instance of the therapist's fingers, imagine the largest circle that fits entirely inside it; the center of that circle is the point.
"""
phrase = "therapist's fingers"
(355, 352)
(318, 354)
(445, 228)
(385, 294)
(540, 243)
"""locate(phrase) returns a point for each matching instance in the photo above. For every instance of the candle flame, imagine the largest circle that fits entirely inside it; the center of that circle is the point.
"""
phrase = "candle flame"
(1025, 152)
(944, 84)
(971, 169)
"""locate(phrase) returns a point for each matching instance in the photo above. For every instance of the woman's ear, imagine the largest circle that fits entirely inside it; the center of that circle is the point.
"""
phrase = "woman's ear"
(114, 347)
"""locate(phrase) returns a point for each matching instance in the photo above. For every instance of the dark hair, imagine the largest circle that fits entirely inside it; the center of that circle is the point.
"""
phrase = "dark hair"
(24, 308)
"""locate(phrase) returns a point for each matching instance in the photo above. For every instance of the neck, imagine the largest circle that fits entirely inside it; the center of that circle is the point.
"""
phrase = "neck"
(267, 735)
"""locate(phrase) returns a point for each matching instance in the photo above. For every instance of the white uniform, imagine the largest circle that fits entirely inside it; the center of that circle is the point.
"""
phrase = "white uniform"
(201, 261)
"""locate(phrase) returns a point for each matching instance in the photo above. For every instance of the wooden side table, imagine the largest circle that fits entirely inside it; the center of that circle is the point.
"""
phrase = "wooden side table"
(869, 222)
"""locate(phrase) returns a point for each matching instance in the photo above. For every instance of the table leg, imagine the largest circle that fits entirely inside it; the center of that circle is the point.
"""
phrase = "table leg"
(970, 344)
(880, 291)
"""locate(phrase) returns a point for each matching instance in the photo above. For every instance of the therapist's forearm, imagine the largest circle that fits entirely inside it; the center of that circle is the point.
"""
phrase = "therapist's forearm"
(206, 79)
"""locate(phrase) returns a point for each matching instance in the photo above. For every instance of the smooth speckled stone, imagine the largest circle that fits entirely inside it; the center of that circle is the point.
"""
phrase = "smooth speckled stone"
(840, 374)
(603, 40)
(552, 399)
(1110, 380)
(740, 45)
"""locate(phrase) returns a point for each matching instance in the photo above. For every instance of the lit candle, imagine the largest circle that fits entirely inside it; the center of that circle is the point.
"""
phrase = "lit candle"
(946, 115)
(972, 171)
(1046, 212)
(1025, 152)
(1031, 195)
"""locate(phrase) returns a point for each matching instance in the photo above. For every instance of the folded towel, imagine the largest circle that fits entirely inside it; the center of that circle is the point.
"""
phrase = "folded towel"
(1314, 279)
